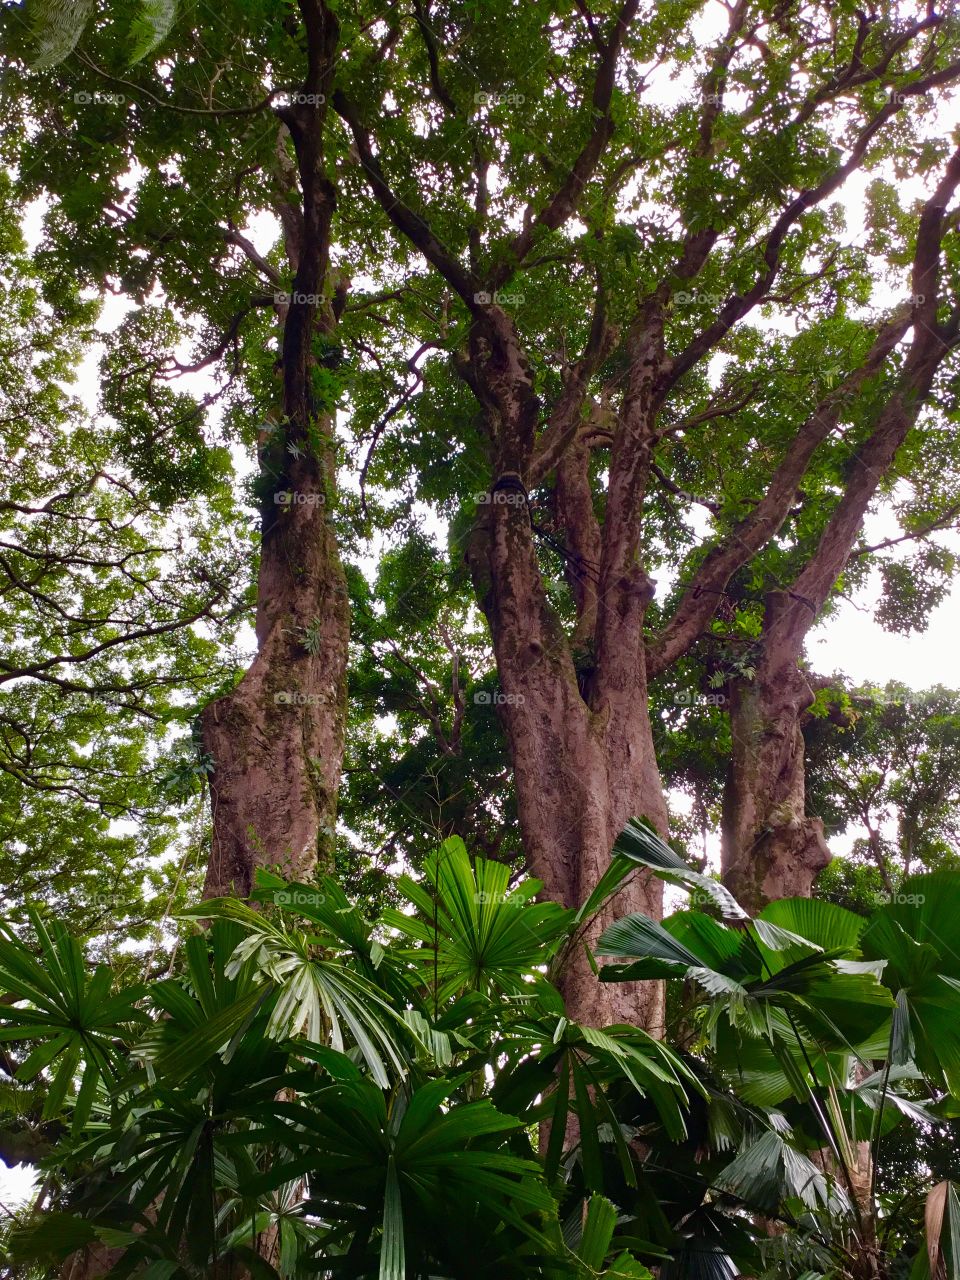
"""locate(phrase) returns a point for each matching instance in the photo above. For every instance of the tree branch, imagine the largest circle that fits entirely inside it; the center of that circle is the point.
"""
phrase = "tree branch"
(698, 602)
(564, 201)
(739, 304)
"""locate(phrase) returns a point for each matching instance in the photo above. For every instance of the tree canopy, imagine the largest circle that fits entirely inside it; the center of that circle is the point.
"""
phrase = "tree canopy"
(440, 426)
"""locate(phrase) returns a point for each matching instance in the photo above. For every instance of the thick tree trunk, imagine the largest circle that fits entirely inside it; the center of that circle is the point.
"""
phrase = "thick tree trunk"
(580, 770)
(277, 739)
(574, 708)
(770, 847)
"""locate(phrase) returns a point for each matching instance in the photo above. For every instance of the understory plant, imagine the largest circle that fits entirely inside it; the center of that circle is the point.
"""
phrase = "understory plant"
(310, 1092)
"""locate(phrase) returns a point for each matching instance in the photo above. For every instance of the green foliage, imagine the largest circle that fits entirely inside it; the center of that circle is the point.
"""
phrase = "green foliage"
(390, 1110)
(396, 1095)
(60, 24)
(155, 155)
(793, 1010)
(71, 1018)
(117, 600)
(151, 26)
(884, 764)
(483, 935)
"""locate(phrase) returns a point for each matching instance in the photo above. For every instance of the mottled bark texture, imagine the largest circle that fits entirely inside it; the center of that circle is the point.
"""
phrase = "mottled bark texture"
(582, 754)
(771, 849)
(96, 1260)
(575, 706)
(277, 739)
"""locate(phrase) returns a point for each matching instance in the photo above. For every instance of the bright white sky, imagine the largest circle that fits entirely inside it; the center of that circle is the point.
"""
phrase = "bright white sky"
(852, 642)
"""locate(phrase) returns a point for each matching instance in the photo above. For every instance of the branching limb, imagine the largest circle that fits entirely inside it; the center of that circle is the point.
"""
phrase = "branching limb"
(698, 602)
(561, 207)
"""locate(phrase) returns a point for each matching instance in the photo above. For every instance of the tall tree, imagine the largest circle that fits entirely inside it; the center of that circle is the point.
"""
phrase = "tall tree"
(645, 339)
(604, 263)
(771, 849)
(158, 137)
(277, 739)
(884, 765)
(117, 602)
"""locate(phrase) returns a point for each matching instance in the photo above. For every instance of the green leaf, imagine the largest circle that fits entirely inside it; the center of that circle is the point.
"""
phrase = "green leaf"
(641, 844)
(151, 26)
(392, 1258)
(769, 1171)
(58, 24)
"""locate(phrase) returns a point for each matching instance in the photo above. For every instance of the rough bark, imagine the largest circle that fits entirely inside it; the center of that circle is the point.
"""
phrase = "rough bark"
(574, 709)
(96, 1260)
(770, 847)
(277, 739)
(574, 506)
(579, 773)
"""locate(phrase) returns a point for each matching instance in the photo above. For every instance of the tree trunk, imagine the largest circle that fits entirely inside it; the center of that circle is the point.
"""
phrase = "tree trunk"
(770, 847)
(277, 739)
(582, 764)
(574, 708)
(95, 1260)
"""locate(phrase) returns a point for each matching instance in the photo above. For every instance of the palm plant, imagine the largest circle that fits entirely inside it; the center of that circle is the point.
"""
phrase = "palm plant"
(315, 1092)
(834, 1030)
